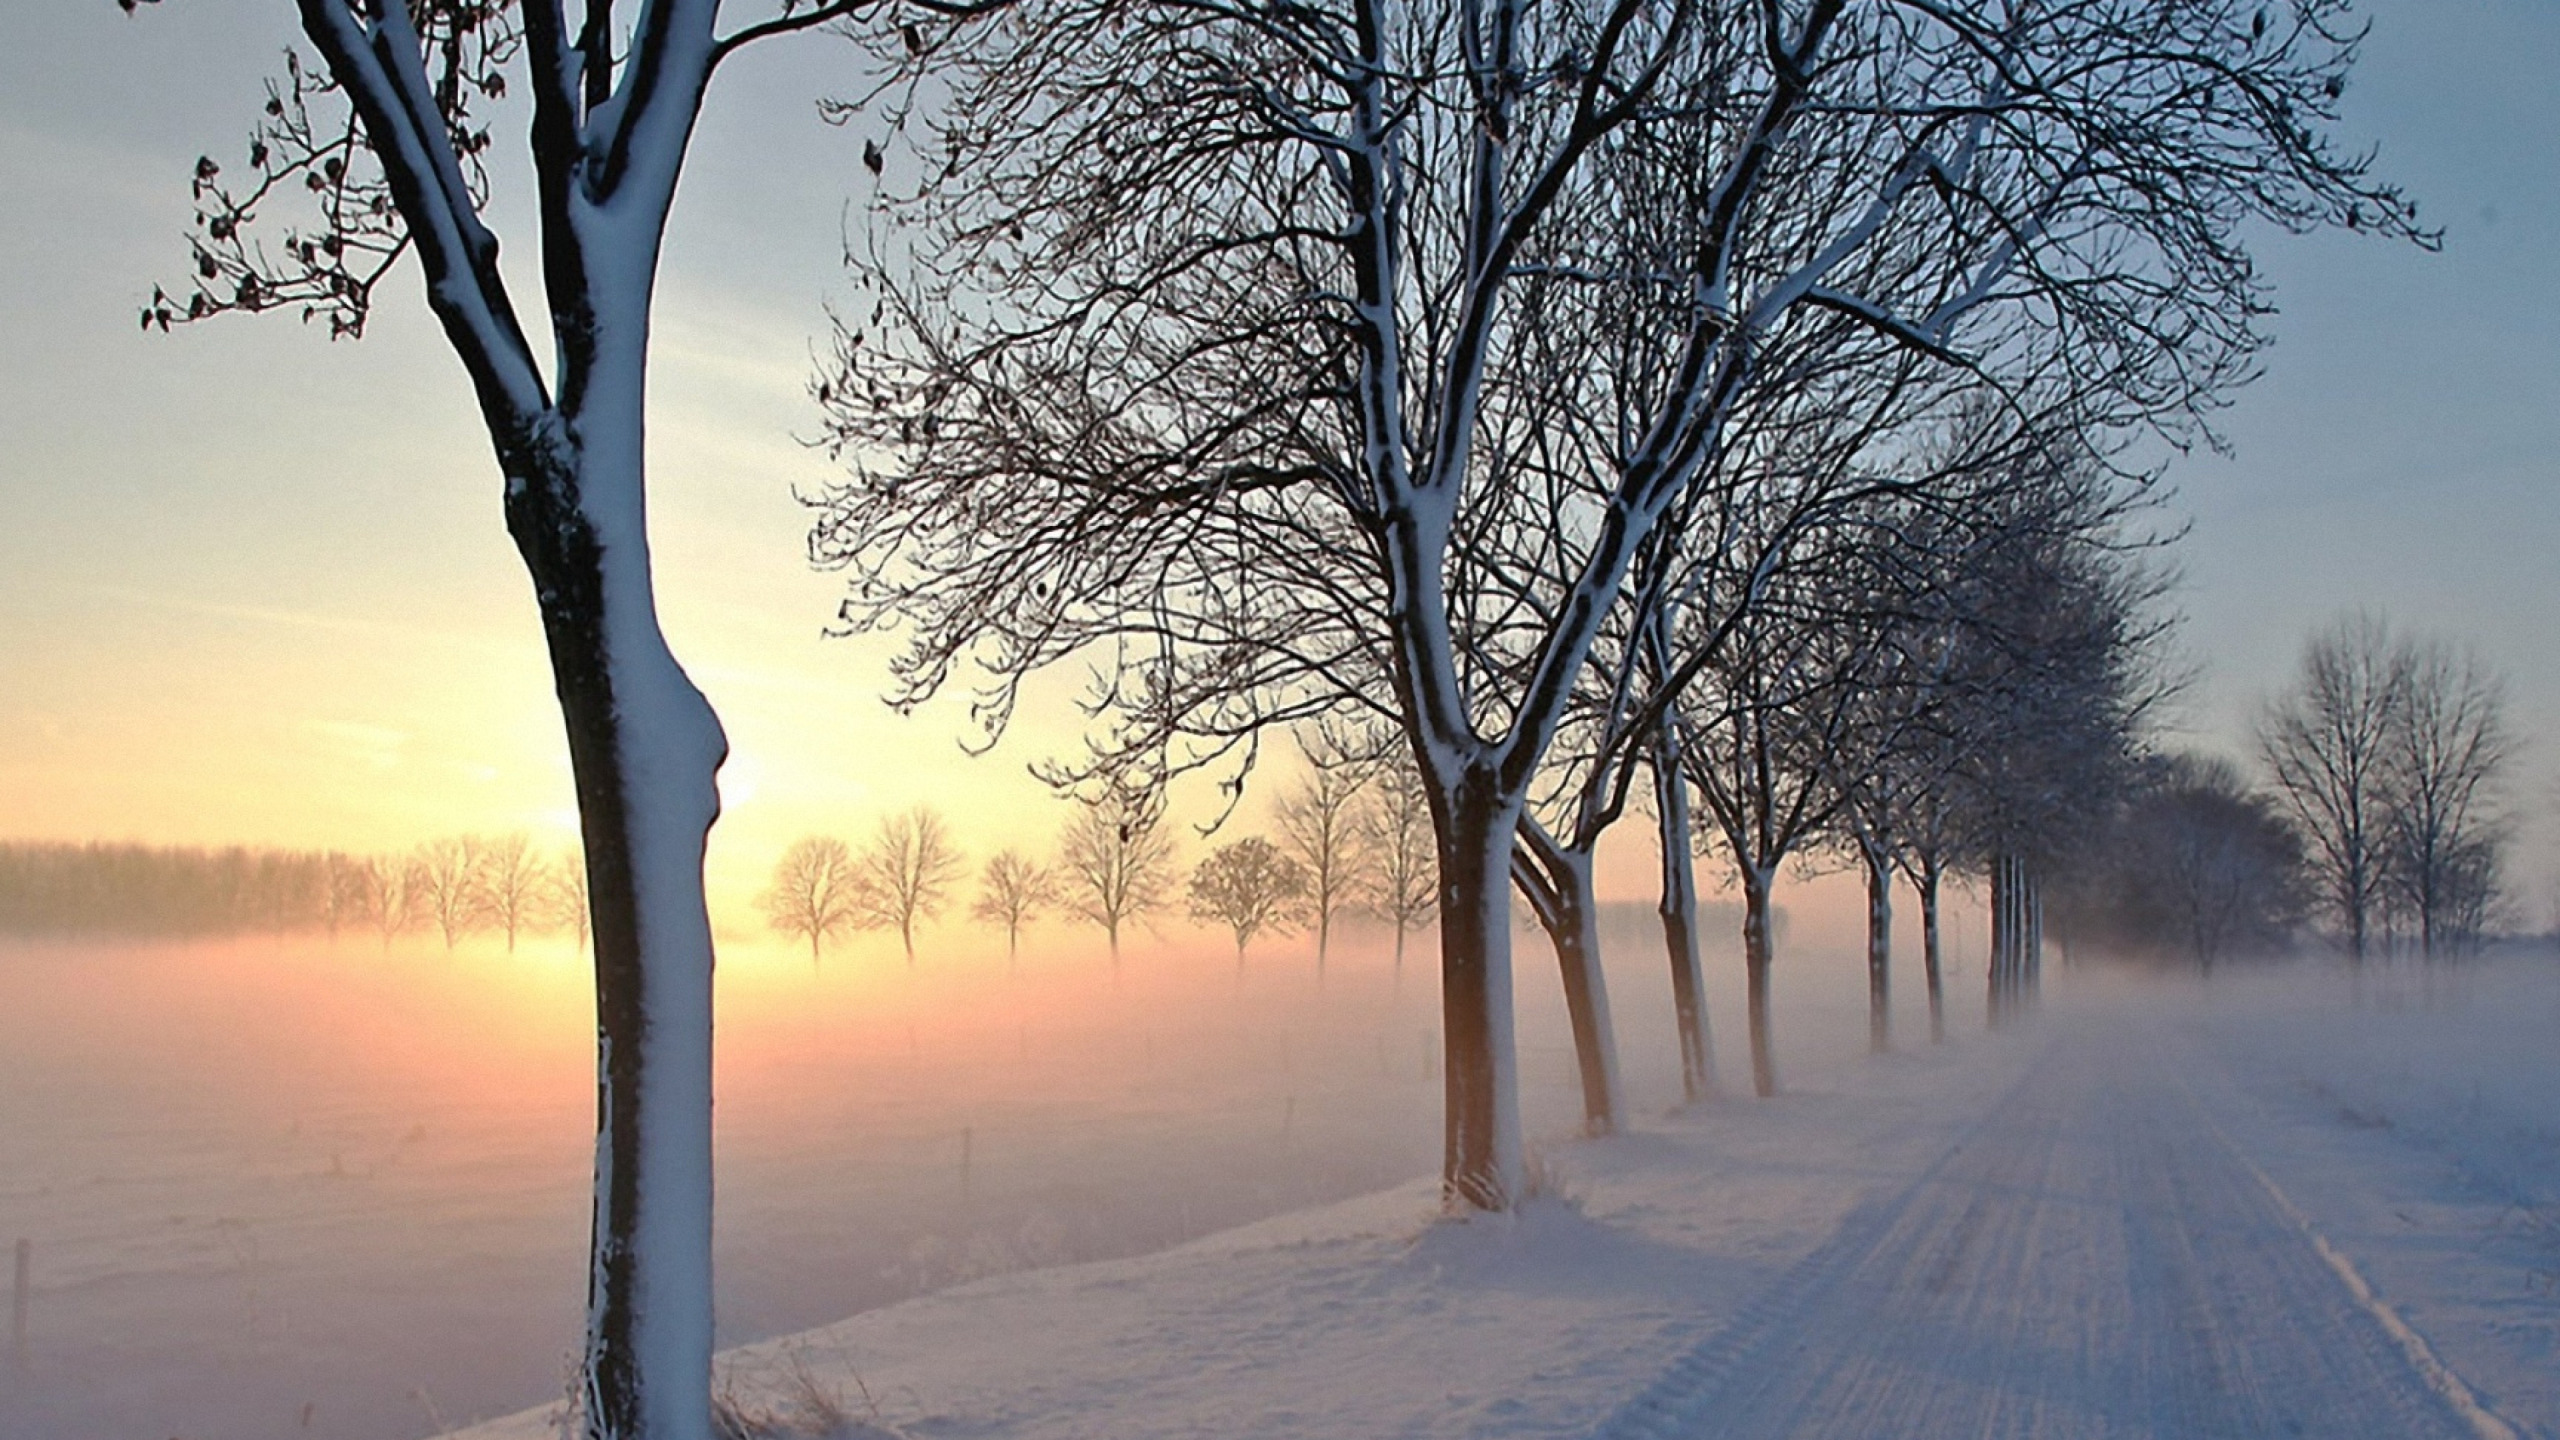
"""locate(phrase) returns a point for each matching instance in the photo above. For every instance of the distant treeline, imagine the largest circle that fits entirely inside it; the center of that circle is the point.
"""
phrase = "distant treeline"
(452, 885)
(157, 890)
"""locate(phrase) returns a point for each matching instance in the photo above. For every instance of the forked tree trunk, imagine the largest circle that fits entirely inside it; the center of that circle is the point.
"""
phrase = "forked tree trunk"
(1480, 1158)
(1758, 948)
(1679, 911)
(1879, 948)
(1569, 911)
(644, 748)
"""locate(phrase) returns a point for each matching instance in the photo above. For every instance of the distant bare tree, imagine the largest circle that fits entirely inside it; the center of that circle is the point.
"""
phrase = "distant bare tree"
(342, 891)
(812, 893)
(905, 874)
(391, 894)
(511, 883)
(1115, 861)
(449, 884)
(1319, 828)
(2329, 743)
(2449, 752)
(1013, 888)
(1403, 872)
(1250, 886)
(1765, 731)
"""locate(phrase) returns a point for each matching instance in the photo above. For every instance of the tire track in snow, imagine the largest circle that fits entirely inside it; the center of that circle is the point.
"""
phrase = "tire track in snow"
(2091, 1259)
(1668, 1408)
(2484, 1422)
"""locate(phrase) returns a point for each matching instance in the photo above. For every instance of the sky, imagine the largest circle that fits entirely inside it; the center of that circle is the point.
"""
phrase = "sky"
(255, 585)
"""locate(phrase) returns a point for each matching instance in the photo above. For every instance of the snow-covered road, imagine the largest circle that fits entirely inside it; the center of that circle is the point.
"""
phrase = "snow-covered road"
(2285, 1204)
(2095, 1258)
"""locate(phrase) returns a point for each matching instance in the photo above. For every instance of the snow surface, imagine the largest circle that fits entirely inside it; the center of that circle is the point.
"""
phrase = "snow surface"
(2295, 1204)
(263, 1176)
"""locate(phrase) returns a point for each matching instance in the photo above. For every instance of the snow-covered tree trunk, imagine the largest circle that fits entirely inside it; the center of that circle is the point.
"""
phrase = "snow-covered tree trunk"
(1679, 911)
(644, 749)
(1558, 880)
(1480, 1161)
(1758, 948)
(1879, 868)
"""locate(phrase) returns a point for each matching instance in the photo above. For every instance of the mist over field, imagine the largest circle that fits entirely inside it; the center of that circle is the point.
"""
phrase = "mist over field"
(281, 1186)
(267, 1172)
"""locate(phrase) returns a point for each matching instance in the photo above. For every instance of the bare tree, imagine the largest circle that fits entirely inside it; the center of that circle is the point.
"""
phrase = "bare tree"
(1869, 820)
(2449, 751)
(905, 874)
(1404, 881)
(381, 145)
(1766, 729)
(391, 894)
(342, 891)
(1675, 841)
(813, 891)
(1114, 860)
(1319, 827)
(1013, 889)
(448, 880)
(2329, 743)
(1229, 370)
(1250, 886)
(511, 883)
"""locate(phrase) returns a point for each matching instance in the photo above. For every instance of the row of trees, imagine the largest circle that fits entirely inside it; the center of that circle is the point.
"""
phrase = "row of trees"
(1439, 366)
(454, 885)
(1352, 836)
(1565, 393)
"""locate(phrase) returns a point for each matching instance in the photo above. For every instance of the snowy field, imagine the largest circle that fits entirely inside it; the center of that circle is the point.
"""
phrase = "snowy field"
(284, 1188)
(2291, 1205)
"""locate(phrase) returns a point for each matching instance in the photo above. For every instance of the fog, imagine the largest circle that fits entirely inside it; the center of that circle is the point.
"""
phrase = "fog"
(293, 1186)
(290, 1186)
